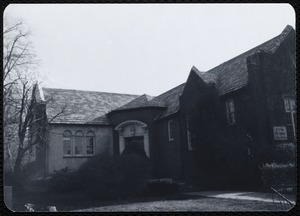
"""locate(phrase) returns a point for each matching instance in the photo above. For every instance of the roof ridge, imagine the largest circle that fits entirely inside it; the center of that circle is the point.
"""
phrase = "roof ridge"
(89, 91)
(129, 102)
(287, 29)
(194, 68)
(281, 36)
(146, 95)
(170, 89)
(149, 97)
(148, 102)
(233, 73)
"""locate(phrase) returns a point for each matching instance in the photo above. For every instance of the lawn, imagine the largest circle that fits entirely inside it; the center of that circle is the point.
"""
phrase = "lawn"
(177, 202)
(199, 204)
(72, 201)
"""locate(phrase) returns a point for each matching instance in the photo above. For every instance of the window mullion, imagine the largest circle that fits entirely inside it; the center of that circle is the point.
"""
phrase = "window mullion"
(293, 123)
(72, 146)
(85, 143)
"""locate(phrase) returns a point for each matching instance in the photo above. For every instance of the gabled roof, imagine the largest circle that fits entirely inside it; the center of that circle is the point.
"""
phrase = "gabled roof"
(82, 107)
(168, 100)
(171, 100)
(206, 77)
(233, 74)
(141, 102)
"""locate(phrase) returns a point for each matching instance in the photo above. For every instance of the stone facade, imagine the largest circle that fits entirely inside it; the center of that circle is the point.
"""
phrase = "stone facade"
(55, 158)
(243, 100)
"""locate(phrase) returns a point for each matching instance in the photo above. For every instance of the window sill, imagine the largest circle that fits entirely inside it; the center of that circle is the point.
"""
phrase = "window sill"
(77, 156)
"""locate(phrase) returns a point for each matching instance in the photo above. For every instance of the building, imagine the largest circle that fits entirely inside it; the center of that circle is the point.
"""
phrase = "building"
(248, 100)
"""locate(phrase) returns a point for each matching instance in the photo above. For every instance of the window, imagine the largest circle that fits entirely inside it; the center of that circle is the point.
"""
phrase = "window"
(79, 143)
(290, 110)
(230, 111)
(67, 143)
(171, 130)
(188, 134)
(90, 143)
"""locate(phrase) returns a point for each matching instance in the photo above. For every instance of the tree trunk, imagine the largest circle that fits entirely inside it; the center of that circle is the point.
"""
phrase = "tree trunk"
(18, 166)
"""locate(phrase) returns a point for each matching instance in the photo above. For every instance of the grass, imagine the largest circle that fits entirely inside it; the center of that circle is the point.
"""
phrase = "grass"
(199, 204)
(71, 201)
(176, 202)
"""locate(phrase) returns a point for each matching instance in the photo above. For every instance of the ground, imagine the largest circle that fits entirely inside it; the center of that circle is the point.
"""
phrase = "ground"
(199, 204)
(193, 201)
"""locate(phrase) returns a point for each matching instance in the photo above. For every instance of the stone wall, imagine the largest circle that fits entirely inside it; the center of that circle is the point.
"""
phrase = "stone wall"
(55, 158)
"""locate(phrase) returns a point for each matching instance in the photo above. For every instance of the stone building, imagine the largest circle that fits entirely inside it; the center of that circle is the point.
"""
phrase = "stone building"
(251, 96)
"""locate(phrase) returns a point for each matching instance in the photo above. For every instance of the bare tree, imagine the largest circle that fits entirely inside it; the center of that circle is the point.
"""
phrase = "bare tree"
(18, 56)
(25, 123)
(18, 59)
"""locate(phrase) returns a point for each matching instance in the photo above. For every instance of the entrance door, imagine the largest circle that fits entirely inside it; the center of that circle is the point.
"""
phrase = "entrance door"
(134, 144)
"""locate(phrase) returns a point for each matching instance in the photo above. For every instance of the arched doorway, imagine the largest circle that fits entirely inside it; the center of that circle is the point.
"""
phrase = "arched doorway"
(133, 134)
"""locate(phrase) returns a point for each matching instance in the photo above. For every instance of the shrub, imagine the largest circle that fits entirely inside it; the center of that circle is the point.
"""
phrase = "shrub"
(32, 171)
(284, 153)
(280, 169)
(8, 178)
(278, 174)
(107, 176)
(64, 181)
(162, 188)
(132, 172)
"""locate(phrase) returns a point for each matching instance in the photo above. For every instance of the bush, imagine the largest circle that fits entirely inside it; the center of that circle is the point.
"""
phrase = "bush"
(278, 174)
(105, 177)
(119, 176)
(133, 171)
(8, 178)
(64, 181)
(284, 153)
(32, 171)
(280, 169)
(162, 188)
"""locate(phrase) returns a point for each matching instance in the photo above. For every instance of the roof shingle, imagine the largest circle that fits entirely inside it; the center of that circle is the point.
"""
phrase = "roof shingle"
(232, 75)
(142, 101)
(89, 107)
(82, 107)
(171, 100)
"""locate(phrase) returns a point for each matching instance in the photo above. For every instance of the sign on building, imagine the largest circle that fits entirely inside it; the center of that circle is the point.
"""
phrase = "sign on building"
(280, 133)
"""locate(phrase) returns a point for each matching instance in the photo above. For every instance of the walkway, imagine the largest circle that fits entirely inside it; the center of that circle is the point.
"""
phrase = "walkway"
(204, 201)
(253, 196)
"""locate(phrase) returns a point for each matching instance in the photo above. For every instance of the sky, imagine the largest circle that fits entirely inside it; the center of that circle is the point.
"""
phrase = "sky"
(142, 48)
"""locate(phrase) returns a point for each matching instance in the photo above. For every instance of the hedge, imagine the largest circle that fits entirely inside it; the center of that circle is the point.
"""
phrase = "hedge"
(278, 174)
(106, 177)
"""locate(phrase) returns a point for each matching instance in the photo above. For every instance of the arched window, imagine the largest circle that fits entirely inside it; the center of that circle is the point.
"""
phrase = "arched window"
(67, 143)
(79, 143)
(90, 143)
